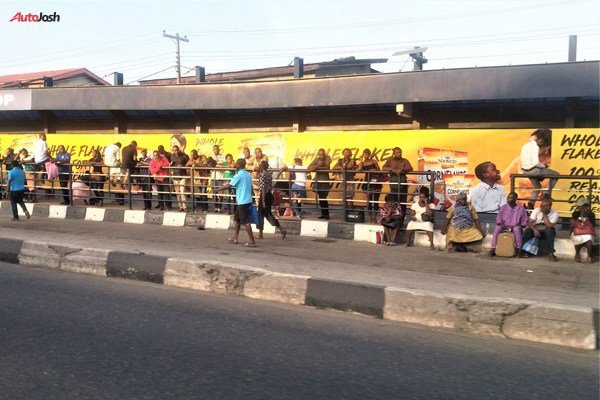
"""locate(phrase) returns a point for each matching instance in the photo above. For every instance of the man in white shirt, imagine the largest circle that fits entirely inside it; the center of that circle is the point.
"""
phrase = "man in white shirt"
(113, 160)
(541, 225)
(40, 150)
(488, 196)
(531, 165)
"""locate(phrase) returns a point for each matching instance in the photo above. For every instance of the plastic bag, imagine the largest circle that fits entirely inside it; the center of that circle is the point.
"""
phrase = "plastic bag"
(253, 217)
(531, 246)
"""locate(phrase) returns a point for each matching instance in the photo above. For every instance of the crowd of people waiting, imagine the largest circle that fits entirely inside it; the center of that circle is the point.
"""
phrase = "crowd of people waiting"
(166, 172)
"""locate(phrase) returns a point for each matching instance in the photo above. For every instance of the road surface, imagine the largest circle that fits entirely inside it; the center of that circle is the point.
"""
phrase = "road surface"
(68, 336)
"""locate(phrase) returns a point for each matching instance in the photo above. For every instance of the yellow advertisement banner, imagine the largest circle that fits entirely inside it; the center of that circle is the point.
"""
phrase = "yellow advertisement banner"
(574, 151)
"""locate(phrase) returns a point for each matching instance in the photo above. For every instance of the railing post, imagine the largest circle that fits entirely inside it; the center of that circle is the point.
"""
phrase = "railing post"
(344, 193)
(590, 191)
(129, 191)
(70, 185)
(512, 183)
(192, 191)
(432, 187)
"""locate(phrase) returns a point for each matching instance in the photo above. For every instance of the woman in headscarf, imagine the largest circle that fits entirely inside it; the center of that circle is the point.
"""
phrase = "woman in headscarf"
(461, 225)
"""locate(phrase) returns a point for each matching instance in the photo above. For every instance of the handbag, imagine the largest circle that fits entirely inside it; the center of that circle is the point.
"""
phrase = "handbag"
(531, 246)
(584, 227)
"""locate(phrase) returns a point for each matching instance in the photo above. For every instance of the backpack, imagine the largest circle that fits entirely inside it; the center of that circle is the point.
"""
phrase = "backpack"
(505, 245)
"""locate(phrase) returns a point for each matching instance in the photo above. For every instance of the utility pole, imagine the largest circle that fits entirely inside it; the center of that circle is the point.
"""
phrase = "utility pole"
(177, 39)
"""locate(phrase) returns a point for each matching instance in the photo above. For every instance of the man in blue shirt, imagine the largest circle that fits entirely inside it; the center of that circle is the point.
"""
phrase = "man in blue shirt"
(63, 158)
(242, 181)
(16, 187)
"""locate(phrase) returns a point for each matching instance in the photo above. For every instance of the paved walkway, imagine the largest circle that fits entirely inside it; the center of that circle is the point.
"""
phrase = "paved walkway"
(564, 282)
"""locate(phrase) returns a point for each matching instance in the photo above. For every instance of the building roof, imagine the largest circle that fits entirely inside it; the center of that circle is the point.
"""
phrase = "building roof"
(270, 72)
(29, 78)
(523, 82)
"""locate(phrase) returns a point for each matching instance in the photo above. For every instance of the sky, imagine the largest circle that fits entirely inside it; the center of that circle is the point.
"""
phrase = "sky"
(228, 35)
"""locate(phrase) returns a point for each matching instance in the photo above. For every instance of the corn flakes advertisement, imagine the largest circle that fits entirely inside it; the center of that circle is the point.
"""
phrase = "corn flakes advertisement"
(574, 151)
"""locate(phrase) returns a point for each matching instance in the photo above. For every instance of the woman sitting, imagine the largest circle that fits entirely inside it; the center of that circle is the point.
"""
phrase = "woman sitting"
(584, 229)
(422, 214)
(461, 225)
(391, 219)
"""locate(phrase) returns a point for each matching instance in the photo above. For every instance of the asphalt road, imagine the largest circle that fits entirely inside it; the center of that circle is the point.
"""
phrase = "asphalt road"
(67, 336)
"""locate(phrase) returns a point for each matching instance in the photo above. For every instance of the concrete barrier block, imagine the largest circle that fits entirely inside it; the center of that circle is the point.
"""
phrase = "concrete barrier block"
(94, 214)
(209, 276)
(217, 221)
(345, 296)
(268, 228)
(283, 288)
(74, 212)
(564, 248)
(421, 239)
(463, 313)
(171, 218)
(186, 274)
(340, 230)
(153, 217)
(136, 266)
(39, 210)
(57, 211)
(367, 232)
(85, 261)
(134, 216)
(565, 326)
(29, 206)
(195, 220)
(37, 254)
(112, 215)
(10, 250)
(314, 228)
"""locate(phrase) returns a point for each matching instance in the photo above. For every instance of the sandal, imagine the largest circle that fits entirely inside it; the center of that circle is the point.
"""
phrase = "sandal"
(250, 245)
(232, 241)
(552, 258)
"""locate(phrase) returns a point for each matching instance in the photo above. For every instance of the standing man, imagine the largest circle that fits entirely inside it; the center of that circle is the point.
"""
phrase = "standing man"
(398, 167)
(63, 158)
(179, 159)
(40, 152)
(113, 161)
(146, 181)
(129, 157)
(16, 188)
(242, 181)
(488, 196)
(256, 159)
(41, 155)
(511, 217)
(320, 166)
(533, 168)
(541, 225)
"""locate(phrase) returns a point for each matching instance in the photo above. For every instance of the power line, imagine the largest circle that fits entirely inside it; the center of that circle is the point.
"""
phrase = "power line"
(148, 76)
(370, 24)
(424, 41)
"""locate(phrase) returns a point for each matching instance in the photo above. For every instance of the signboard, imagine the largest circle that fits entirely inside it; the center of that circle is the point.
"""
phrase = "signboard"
(15, 99)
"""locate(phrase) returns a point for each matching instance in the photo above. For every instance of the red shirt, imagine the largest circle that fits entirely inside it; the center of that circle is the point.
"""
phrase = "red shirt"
(157, 169)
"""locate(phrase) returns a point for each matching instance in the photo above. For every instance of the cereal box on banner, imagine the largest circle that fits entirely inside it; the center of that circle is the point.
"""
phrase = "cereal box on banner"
(456, 184)
(443, 163)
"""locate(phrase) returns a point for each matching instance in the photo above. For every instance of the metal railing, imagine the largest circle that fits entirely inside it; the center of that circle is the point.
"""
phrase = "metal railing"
(194, 188)
(590, 190)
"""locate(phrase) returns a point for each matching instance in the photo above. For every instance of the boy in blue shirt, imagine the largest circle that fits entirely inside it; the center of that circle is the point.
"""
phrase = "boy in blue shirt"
(16, 188)
(242, 181)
